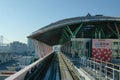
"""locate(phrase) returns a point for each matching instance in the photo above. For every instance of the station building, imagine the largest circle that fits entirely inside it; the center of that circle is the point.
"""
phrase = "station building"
(91, 36)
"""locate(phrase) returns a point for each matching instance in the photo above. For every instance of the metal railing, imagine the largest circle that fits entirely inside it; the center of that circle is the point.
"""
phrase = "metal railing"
(101, 70)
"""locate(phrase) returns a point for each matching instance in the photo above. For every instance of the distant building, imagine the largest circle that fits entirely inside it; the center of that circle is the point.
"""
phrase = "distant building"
(31, 47)
(5, 57)
(5, 54)
(25, 60)
(56, 48)
(18, 48)
(4, 48)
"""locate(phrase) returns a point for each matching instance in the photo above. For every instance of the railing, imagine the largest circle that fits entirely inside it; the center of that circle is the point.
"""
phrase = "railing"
(101, 70)
(22, 73)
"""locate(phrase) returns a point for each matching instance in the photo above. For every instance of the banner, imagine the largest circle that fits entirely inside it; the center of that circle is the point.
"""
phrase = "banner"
(102, 49)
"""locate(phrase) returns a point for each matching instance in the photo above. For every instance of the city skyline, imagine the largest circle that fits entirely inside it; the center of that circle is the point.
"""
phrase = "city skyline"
(19, 18)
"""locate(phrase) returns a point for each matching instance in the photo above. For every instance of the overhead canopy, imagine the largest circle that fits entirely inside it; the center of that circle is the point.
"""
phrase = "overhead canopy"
(51, 34)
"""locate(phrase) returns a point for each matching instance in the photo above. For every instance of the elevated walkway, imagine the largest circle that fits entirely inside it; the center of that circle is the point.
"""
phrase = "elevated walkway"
(56, 66)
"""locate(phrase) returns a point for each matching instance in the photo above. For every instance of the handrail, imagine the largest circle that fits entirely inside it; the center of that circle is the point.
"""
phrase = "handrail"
(21, 74)
(109, 70)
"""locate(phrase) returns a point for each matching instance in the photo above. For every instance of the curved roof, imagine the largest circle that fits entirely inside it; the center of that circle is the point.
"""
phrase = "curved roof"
(51, 33)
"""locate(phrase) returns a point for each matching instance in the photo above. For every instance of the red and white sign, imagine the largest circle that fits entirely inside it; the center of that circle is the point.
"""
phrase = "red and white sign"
(102, 49)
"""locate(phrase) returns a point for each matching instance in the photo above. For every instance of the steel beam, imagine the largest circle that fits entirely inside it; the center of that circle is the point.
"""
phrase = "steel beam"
(103, 32)
(117, 30)
(113, 31)
(69, 30)
(77, 30)
(66, 33)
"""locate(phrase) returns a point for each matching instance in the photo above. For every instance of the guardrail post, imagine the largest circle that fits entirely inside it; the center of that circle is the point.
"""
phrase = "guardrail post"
(106, 69)
(119, 72)
(100, 70)
(90, 64)
(94, 65)
(86, 63)
(113, 74)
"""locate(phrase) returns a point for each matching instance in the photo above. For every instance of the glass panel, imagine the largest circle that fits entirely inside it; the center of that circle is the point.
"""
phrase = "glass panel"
(115, 45)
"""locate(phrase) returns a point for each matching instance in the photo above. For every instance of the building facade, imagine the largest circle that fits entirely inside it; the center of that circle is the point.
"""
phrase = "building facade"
(18, 48)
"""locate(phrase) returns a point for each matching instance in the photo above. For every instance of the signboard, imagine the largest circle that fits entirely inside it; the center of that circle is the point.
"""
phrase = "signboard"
(102, 49)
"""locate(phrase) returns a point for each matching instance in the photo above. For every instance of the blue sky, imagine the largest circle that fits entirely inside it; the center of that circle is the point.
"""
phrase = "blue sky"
(19, 18)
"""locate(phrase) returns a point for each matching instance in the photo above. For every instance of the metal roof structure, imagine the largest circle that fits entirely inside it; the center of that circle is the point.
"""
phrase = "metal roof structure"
(51, 34)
